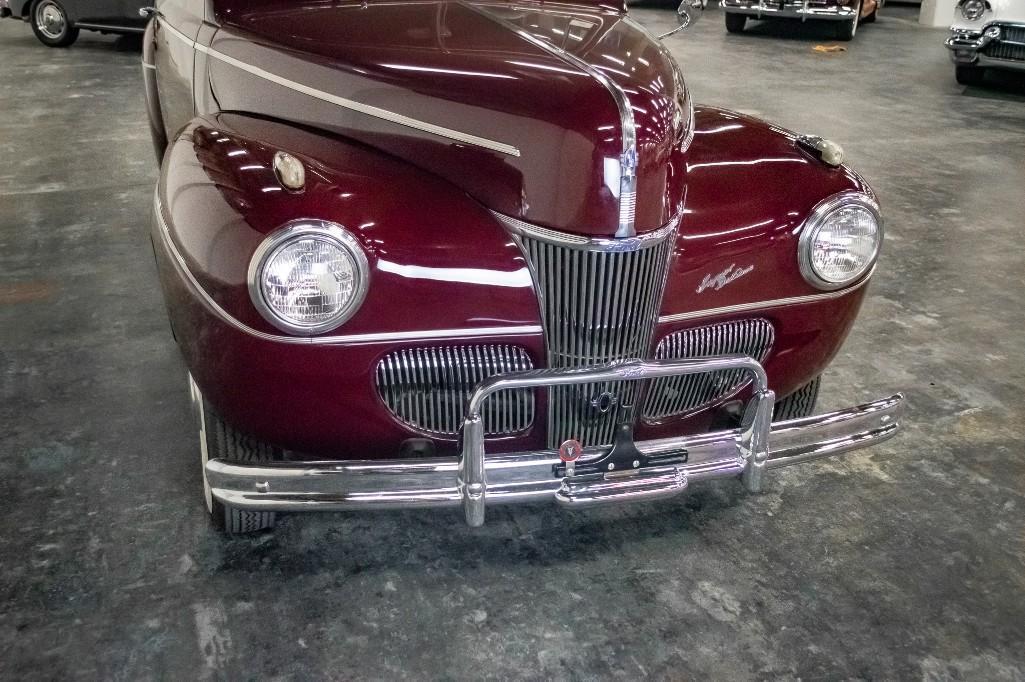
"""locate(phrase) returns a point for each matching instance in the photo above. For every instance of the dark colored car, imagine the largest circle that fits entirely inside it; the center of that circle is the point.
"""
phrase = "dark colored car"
(57, 22)
(459, 253)
(846, 15)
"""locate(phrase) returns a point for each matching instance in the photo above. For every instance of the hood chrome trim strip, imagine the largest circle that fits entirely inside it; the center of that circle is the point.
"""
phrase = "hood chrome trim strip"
(628, 159)
(352, 105)
(382, 337)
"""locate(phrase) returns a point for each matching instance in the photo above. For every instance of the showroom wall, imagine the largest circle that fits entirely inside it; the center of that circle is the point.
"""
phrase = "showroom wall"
(936, 12)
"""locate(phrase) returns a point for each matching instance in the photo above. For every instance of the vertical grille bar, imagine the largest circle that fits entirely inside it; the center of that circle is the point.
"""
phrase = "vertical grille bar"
(599, 302)
(427, 388)
(1010, 45)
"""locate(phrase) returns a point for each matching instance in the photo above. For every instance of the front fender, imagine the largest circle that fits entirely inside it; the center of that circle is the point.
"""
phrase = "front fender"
(749, 191)
(441, 268)
(158, 133)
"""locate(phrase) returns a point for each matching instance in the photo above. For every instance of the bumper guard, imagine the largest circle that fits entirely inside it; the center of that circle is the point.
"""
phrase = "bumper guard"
(652, 469)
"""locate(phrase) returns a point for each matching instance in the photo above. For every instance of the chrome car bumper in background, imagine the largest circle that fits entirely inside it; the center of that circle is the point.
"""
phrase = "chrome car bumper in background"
(789, 9)
(625, 472)
(971, 47)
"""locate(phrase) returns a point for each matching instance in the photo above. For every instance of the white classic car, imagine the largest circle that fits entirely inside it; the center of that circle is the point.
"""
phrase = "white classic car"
(987, 34)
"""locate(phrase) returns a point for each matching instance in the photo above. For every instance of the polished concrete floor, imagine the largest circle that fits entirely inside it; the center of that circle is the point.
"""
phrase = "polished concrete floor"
(907, 561)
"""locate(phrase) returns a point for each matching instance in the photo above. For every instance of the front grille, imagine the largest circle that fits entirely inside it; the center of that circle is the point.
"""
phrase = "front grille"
(1010, 46)
(599, 301)
(680, 394)
(427, 388)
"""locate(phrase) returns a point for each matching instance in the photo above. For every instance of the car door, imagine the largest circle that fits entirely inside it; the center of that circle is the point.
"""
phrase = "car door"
(93, 11)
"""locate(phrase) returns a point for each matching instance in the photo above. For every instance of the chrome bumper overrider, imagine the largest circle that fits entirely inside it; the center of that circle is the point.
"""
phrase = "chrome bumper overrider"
(964, 45)
(651, 469)
(802, 9)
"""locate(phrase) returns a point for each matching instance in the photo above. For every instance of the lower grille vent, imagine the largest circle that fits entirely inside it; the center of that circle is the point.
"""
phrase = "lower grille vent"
(677, 395)
(427, 388)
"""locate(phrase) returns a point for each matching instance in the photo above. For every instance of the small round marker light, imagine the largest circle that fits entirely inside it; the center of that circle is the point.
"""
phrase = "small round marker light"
(826, 151)
(290, 171)
(832, 153)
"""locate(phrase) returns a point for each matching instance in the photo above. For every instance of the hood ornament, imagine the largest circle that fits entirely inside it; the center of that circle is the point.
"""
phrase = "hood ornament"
(687, 13)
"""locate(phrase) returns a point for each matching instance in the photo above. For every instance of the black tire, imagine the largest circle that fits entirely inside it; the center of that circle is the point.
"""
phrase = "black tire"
(845, 30)
(871, 18)
(735, 22)
(51, 24)
(219, 440)
(800, 403)
(968, 74)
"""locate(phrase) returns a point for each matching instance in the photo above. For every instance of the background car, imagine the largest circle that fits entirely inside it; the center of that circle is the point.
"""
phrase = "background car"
(847, 14)
(57, 22)
(987, 35)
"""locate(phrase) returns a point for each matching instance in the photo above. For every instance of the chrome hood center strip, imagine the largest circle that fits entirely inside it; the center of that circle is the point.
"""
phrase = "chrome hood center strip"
(628, 157)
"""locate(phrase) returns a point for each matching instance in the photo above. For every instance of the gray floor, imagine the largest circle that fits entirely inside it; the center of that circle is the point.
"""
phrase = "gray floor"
(907, 561)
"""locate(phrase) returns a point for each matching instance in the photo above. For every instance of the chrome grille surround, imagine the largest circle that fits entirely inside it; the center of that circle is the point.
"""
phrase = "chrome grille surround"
(677, 395)
(599, 302)
(427, 388)
(1010, 44)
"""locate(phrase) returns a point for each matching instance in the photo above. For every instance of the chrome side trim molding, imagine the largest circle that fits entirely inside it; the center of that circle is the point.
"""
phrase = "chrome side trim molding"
(345, 103)
(763, 305)
(176, 33)
(113, 29)
(383, 337)
(628, 158)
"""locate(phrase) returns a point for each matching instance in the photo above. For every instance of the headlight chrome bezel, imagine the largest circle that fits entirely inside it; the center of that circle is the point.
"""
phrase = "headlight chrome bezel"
(293, 231)
(815, 221)
(962, 7)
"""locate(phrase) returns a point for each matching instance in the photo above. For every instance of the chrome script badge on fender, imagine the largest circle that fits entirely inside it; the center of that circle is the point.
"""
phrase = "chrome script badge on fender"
(728, 275)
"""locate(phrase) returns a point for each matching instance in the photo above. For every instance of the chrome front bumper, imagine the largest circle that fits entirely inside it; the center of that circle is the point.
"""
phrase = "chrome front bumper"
(966, 48)
(651, 470)
(801, 9)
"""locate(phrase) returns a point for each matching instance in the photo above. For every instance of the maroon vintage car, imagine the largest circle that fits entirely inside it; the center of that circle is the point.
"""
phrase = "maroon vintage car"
(437, 253)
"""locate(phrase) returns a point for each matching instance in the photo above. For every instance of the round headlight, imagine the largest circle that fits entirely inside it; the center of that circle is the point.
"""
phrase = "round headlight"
(840, 240)
(308, 277)
(973, 9)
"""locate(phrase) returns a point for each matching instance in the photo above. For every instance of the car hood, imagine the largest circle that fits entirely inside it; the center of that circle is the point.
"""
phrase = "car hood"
(514, 103)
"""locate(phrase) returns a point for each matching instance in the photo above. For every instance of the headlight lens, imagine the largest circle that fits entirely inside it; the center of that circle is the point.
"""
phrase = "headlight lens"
(308, 277)
(973, 9)
(840, 241)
